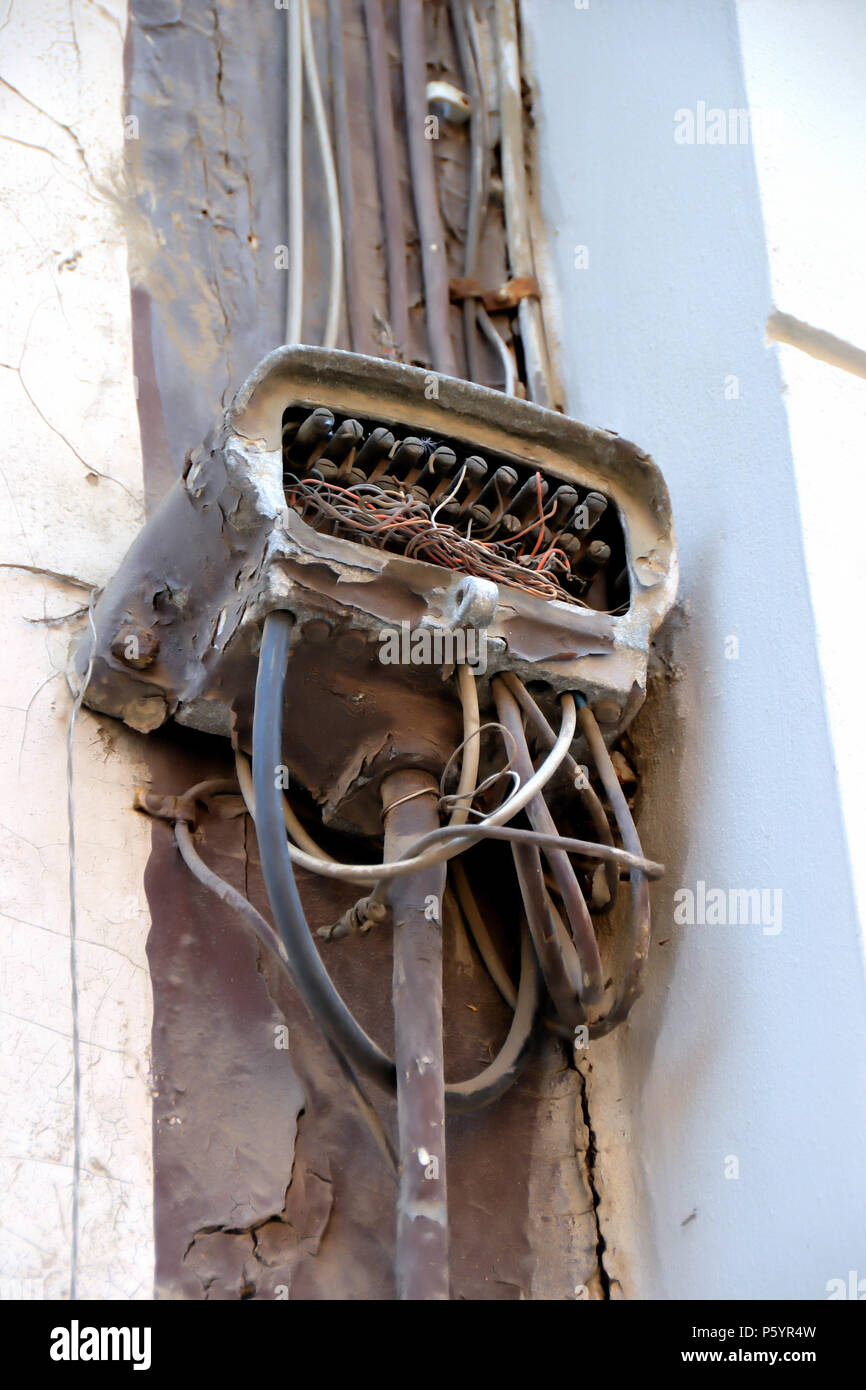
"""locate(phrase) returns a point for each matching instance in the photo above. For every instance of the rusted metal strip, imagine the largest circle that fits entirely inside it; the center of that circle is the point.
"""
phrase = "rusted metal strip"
(507, 296)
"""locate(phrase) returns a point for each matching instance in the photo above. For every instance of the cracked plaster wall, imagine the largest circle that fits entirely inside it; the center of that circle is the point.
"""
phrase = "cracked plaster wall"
(72, 482)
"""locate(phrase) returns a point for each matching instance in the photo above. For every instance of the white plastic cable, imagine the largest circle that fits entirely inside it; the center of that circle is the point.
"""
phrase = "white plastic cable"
(295, 173)
(295, 830)
(335, 288)
(485, 323)
(471, 745)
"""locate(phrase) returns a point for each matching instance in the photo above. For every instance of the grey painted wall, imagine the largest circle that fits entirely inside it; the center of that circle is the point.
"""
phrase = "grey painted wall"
(747, 1044)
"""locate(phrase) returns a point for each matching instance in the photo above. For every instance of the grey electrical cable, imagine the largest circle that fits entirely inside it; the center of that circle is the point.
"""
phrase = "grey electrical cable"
(580, 922)
(310, 976)
(485, 323)
(584, 788)
(379, 874)
(503, 1071)
(389, 178)
(481, 936)
(561, 968)
(640, 904)
(590, 848)
(295, 173)
(225, 892)
(434, 854)
(431, 232)
(474, 312)
(335, 287)
(354, 298)
(471, 744)
(521, 261)
(582, 951)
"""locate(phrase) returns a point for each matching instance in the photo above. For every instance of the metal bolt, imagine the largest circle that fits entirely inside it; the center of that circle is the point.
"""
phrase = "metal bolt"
(135, 646)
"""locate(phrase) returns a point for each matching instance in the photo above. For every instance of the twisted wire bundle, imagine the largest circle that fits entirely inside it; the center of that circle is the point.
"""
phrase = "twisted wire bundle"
(395, 521)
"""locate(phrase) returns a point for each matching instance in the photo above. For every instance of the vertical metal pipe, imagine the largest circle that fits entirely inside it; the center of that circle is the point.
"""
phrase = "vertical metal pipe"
(421, 1261)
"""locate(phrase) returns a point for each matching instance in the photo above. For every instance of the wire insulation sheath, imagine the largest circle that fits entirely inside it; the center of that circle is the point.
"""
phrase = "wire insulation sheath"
(293, 826)
(358, 337)
(503, 1071)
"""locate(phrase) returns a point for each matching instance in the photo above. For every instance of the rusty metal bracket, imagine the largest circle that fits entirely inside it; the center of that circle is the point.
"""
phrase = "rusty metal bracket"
(506, 296)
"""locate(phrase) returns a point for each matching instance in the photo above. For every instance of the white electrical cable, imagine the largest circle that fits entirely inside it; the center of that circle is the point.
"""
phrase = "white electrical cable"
(514, 183)
(471, 745)
(295, 830)
(335, 288)
(295, 172)
(447, 498)
(373, 873)
(466, 786)
(470, 758)
(485, 323)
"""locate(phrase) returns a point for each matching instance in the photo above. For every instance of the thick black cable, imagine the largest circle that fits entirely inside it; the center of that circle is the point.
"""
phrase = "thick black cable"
(310, 975)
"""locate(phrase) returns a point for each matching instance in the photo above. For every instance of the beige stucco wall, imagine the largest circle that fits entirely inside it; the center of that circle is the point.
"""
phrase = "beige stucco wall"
(71, 473)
